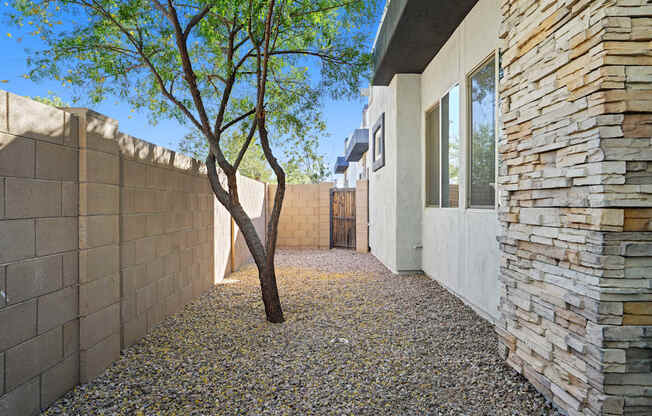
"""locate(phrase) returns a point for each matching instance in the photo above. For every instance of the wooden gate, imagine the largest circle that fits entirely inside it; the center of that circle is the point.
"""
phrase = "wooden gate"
(343, 217)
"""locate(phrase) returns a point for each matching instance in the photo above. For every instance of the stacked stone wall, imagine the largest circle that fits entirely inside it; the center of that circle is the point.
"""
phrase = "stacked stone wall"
(575, 192)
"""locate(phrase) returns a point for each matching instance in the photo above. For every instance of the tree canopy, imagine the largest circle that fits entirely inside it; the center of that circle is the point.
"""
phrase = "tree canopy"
(234, 70)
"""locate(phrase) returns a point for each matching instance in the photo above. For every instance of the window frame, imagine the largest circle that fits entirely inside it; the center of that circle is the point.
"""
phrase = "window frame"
(379, 125)
(438, 104)
(469, 134)
(436, 107)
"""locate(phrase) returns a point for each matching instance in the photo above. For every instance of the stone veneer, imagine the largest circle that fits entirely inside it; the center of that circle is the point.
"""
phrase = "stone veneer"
(575, 194)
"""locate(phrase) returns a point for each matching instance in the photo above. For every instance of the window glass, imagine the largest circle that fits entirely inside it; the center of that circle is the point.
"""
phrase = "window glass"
(378, 144)
(432, 157)
(483, 141)
(450, 148)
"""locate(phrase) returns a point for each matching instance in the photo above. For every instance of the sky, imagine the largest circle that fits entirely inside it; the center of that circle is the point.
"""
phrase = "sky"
(341, 116)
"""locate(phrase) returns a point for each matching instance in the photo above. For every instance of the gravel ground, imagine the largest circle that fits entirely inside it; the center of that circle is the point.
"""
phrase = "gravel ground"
(357, 341)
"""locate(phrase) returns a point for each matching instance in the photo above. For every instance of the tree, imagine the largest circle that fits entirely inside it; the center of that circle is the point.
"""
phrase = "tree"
(216, 65)
(253, 165)
(301, 165)
(51, 99)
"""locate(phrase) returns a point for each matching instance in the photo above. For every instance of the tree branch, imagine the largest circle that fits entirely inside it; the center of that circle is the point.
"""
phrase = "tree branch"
(195, 20)
(238, 119)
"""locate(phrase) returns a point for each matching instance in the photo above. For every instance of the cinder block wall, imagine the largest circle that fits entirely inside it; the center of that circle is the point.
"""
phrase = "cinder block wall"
(101, 236)
(39, 325)
(305, 216)
(575, 175)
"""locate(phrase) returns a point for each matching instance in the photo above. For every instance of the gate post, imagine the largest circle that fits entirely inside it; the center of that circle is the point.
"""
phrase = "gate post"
(362, 216)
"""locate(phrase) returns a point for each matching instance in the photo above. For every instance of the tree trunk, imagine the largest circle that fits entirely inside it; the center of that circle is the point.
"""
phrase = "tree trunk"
(271, 299)
(263, 258)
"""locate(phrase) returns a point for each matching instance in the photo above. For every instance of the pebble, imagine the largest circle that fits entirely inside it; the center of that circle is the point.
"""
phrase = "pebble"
(357, 341)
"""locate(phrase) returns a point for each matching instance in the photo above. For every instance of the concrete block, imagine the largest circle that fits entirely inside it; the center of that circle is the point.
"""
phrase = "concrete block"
(155, 270)
(23, 401)
(155, 315)
(98, 167)
(71, 130)
(59, 379)
(56, 235)
(132, 227)
(32, 357)
(99, 325)
(2, 371)
(17, 324)
(3, 111)
(155, 225)
(16, 240)
(2, 198)
(16, 156)
(69, 199)
(133, 148)
(96, 198)
(3, 290)
(70, 268)
(29, 118)
(98, 262)
(145, 298)
(134, 174)
(95, 360)
(145, 250)
(134, 330)
(71, 338)
(56, 162)
(98, 230)
(57, 308)
(33, 278)
(128, 308)
(133, 278)
(98, 294)
(101, 132)
(128, 254)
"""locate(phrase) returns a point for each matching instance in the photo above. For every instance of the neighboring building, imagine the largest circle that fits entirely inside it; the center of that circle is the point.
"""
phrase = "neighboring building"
(353, 165)
(510, 159)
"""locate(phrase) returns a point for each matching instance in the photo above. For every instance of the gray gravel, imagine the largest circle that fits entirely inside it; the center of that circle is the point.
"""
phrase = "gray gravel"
(357, 341)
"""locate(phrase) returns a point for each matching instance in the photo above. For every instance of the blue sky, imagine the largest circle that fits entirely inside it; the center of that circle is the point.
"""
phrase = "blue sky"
(341, 116)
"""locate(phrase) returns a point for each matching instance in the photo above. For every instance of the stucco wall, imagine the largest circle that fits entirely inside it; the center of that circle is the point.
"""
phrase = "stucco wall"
(459, 244)
(409, 178)
(382, 183)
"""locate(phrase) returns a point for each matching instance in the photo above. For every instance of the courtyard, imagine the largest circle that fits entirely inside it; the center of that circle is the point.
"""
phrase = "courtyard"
(358, 341)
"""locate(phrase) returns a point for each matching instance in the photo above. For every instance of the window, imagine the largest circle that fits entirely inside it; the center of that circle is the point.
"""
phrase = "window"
(378, 142)
(432, 157)
(482, 96)
(450, 148)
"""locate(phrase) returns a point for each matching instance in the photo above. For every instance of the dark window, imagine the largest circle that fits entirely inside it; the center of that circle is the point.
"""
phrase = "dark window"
(450, 148)
(432, 157)
(378, 143)
(482, 97)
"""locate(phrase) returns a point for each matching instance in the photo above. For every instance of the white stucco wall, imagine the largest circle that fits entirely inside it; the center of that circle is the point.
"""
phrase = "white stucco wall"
(409, 177)
(382, 183)
(394, 189)
(459, 244)
(455, 246)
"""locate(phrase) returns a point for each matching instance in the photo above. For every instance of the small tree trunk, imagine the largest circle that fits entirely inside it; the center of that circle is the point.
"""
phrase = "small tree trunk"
(271, 299)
